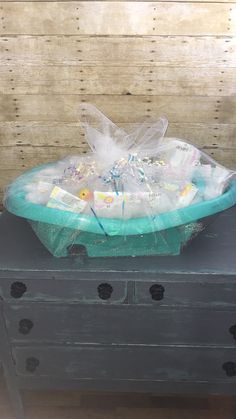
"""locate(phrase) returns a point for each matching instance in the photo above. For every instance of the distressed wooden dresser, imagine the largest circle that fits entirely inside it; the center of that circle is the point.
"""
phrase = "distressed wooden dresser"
(154, 324)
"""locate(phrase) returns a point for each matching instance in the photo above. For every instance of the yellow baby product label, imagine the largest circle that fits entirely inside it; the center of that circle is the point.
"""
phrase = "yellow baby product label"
(63, 200)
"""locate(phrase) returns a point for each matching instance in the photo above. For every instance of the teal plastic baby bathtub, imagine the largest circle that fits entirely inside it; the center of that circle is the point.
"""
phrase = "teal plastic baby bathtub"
(63, 231)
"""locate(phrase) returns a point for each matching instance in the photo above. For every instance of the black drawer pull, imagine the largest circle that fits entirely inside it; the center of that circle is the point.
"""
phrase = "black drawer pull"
(31, 364)
(230, 368)
(105, 291)
(157, 291)
(232, 330)
(25, 326)
(18, 289)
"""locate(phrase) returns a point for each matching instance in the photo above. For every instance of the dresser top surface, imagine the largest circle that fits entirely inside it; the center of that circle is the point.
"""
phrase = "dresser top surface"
(212, 252)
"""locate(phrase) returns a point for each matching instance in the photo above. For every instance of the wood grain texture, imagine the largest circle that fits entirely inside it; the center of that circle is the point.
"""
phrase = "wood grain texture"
(164, 51)
(42, 407)
(121, 109)
(82, 291)
(73, 404)
(118, 18)
(70, 134)
(113, 80)
(154, 1)
(105, 405)
(134, 363)
(73, 413)
(179, 291)
(135, 60)
(56, 324)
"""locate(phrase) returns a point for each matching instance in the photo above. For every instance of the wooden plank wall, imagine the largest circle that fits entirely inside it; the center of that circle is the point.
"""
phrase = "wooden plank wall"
(135, 60)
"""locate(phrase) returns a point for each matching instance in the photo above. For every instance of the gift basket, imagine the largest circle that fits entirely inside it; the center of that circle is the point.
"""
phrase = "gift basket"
(136, 193)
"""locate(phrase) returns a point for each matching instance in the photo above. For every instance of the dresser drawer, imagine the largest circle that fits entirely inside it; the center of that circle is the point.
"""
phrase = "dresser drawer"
(195, 292)
(125, 324)
(128, 363)
(108, 289)
(94, 291)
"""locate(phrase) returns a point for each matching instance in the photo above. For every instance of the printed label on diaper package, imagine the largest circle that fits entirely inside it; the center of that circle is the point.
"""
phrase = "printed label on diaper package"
(127, 205)
(108, 204)
(61, 199)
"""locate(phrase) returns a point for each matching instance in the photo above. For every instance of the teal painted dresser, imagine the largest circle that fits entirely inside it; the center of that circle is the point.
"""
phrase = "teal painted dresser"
(145, 324)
